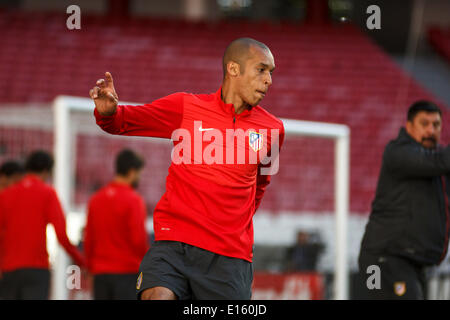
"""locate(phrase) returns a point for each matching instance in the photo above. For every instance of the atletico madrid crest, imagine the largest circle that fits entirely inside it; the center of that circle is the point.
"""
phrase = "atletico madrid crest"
(399, 288)
(255, 140)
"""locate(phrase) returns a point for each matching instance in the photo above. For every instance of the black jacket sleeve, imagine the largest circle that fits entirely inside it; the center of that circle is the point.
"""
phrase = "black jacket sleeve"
(415, 161)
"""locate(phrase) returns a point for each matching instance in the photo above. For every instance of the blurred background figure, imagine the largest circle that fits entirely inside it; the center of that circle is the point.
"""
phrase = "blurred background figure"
(26, 208)
(305, 254)
(115, 236)
(409, 226)
(10, 172)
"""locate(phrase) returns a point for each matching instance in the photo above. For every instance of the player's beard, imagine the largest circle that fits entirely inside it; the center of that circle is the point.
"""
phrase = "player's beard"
(431, 142)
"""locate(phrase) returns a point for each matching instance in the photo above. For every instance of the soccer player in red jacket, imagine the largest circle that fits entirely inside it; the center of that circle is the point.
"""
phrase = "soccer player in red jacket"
(26, 208)
(115, 237)
(10, 172)
(225, 148)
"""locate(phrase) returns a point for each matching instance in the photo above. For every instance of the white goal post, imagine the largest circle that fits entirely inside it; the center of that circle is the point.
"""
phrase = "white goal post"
(63, 180)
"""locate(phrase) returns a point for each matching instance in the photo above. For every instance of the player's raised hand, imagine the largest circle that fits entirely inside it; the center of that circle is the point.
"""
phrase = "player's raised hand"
(105, 96)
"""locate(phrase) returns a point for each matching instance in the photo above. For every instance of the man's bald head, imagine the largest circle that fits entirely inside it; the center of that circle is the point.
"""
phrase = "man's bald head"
(239, 51)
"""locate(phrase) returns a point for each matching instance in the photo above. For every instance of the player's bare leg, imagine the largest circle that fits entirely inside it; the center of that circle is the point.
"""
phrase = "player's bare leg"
(158, 293)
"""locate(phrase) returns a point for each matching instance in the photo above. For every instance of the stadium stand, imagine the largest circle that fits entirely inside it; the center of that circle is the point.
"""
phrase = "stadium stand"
(331, 73)
(440, 40)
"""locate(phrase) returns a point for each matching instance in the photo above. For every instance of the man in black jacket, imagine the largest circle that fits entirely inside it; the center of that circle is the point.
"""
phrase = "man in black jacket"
(408, 228)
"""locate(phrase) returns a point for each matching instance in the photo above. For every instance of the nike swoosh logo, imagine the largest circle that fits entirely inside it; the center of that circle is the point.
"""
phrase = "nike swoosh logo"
(205, 129)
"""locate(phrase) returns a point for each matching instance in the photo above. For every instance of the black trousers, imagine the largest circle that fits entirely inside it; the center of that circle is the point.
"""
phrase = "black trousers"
(25, 284)
(115, 286)
(400, 278)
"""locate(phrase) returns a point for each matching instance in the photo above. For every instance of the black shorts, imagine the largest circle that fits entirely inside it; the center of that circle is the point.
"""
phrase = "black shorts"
(401, 279)
(25, 284)
(115, 286)
(194, 273)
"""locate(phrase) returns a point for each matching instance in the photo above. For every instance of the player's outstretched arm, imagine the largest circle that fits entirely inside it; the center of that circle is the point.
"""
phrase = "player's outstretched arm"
(414, 161)
(156, 119)
(105, 96)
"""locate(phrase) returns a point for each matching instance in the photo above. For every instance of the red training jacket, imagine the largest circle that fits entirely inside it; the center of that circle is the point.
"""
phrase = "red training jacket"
(208, 204)
(115, 236)
(25, 210)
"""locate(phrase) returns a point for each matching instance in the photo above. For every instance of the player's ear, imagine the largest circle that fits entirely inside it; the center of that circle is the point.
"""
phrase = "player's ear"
(408, 126)
(233, 69)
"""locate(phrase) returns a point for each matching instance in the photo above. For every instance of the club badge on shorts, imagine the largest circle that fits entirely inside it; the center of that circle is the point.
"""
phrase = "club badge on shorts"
(139, 281)
(255, 140)
(399, 288)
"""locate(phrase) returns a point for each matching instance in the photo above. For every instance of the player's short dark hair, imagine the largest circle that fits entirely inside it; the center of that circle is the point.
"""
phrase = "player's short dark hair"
(127, 160)
(422, 105)
(39, 161)
(238, 50)
(10, 168)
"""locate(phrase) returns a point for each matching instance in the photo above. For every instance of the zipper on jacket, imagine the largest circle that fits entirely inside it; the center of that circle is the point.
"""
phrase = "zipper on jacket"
(234, 122)
(444, 189)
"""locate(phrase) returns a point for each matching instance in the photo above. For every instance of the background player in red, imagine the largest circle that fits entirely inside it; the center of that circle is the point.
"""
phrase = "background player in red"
(203, 223)
(26, 208)
(10, 172)
(115, 235)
